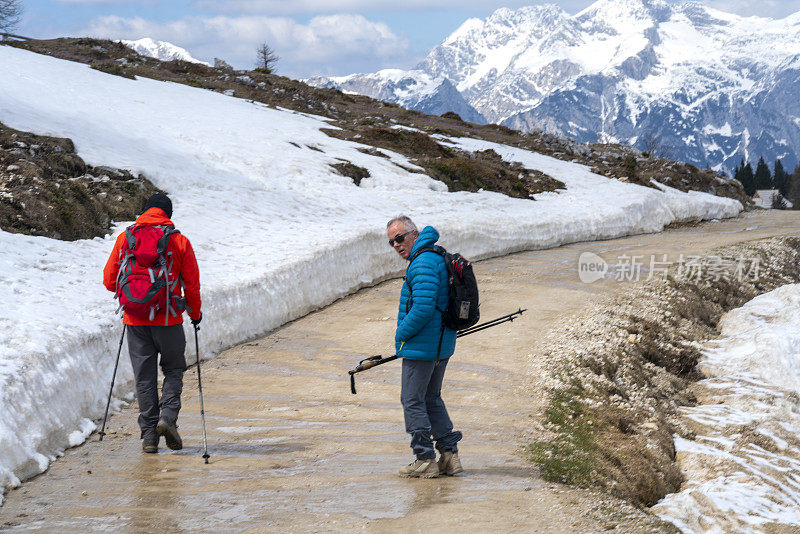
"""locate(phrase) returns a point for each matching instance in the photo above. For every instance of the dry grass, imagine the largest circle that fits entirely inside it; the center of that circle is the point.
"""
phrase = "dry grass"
(351, 170)
(487, 170)
(459, 170)
(46, 189)
(624, 371)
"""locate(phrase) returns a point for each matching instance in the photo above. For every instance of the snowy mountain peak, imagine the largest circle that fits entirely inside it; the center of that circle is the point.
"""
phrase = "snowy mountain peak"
(623, 16)
(526, 15)
(793, 19)
(469, 26)
(623, 8)
(682, 80)
(161, 50)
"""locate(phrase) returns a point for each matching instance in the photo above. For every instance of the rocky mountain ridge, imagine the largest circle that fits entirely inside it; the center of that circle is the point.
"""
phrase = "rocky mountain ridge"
(684, 81)
(417, 90)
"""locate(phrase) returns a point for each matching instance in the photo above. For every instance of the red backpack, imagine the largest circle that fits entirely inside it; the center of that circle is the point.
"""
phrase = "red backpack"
(144, 288)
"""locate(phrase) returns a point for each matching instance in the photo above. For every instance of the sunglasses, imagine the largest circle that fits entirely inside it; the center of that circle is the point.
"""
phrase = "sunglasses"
(399, 238)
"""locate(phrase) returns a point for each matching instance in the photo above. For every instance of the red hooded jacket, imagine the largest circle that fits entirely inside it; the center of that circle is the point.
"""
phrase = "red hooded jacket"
(184, 265)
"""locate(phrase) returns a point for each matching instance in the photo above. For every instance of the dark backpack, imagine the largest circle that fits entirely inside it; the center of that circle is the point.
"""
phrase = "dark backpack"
(462, 303)
(144, 287)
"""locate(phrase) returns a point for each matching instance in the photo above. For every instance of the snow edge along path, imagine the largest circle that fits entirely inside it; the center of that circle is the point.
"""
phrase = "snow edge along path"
(742, 463)
(57, 350)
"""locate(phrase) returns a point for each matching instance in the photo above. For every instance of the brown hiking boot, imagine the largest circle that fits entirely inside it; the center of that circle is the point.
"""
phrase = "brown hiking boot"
(170, 433)
(420, 469)
(449, 464)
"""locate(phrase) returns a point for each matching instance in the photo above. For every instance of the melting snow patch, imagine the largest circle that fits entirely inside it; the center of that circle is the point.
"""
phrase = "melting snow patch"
(743, 470)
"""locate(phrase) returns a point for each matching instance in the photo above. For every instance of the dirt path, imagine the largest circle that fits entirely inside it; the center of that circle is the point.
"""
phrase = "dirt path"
(293, 450)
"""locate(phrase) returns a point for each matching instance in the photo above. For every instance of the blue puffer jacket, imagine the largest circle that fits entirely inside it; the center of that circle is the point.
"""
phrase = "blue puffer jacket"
(419, 322)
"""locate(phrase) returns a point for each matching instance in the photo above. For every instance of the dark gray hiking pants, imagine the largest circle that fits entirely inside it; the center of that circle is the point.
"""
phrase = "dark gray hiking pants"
(426, 416)
(144, 345)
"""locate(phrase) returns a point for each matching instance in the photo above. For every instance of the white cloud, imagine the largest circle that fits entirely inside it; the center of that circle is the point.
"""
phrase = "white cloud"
(294, 7)
(332, 43)
(765, 8)
(97, 2)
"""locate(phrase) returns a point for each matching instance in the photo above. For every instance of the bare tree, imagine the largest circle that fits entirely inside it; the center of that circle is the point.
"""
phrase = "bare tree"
(650, 143)
(266, 59)
(10, 14)
(655, 146)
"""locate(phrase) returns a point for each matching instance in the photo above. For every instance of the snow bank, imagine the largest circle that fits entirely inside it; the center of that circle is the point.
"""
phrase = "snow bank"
(603, 207)
(743, 468)
(276, 232)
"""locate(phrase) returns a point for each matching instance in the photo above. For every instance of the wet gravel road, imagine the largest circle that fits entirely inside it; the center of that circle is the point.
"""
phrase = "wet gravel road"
(293, 450)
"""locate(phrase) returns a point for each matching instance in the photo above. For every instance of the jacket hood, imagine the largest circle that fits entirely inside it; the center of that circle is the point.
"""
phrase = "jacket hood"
(155, 216)
(427, 238)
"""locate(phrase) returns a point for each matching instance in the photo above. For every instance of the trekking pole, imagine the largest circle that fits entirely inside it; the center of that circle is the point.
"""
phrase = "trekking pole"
(206, 456)
(113, 377)
(374, 361)
(488, 324)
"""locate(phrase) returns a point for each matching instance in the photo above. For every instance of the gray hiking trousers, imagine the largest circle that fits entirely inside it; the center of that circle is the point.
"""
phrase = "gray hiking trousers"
(145, 343)
(425, 414)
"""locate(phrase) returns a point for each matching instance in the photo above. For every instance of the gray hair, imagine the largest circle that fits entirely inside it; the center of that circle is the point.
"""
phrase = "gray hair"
(408, 224)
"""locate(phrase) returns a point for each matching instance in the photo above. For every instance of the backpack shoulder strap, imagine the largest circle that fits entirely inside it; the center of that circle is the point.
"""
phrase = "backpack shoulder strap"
(437, 249)
(164, 240)
(130, 238)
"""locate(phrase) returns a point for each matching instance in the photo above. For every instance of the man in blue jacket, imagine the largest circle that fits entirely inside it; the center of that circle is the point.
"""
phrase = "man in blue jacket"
(424, 343)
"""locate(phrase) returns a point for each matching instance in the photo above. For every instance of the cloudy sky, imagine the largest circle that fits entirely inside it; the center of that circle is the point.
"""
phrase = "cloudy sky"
(310, 36)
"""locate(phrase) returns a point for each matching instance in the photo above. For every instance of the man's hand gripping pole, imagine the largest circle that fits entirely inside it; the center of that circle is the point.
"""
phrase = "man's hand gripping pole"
(374, 361)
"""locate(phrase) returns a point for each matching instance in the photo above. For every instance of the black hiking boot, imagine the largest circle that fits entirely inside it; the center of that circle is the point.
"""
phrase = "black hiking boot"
(170, 433)
(150, 444)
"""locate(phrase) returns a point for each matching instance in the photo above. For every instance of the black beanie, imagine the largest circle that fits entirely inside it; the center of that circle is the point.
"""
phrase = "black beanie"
(160, 200)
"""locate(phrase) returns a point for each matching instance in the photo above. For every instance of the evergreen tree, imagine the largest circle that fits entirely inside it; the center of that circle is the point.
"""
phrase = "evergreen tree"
(747, 179)
(793, 188)
(763, 176)
(780, 177)
(737, 171)
(267, 59)
(778, 202)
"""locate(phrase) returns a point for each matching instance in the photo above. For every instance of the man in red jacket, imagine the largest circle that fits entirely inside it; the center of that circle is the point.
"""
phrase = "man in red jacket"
(161, 332)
